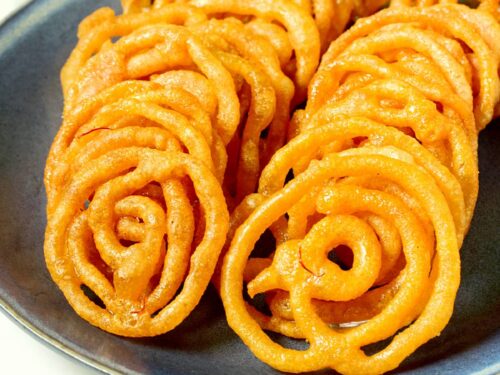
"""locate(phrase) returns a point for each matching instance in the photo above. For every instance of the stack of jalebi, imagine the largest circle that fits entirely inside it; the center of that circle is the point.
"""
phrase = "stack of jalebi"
(384, 160)
(381, 201)
(179, 112)
(154, 102)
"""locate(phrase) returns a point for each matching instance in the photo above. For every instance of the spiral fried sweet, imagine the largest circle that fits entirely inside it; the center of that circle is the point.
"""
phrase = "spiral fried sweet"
(451, 45)
(337, 215)
(133, 248)
(287, 26)
(237, 74)
(136, 214)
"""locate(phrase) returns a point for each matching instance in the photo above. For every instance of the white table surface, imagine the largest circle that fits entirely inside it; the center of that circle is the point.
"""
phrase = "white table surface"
(20, 353)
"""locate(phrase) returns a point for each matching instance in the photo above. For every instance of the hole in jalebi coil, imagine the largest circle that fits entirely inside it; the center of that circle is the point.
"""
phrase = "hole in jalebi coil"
(89, 293)
(342, 256)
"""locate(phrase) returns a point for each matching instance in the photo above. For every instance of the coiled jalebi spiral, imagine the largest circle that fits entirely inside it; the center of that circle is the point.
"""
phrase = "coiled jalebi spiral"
(116, 246)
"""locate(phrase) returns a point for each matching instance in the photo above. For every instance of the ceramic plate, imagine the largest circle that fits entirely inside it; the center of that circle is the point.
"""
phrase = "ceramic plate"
(33, 47)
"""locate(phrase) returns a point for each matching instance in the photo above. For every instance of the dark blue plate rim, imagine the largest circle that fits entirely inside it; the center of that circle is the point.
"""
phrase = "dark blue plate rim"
(9, 24)
(8, 310)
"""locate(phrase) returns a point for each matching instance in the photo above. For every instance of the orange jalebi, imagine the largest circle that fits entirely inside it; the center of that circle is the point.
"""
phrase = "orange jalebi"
(116, 245)
(240, 73)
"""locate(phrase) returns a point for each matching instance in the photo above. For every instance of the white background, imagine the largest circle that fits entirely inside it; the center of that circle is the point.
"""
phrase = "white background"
(20, 353)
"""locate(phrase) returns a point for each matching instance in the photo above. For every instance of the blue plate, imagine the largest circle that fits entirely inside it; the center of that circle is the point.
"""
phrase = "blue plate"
(33, 47)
